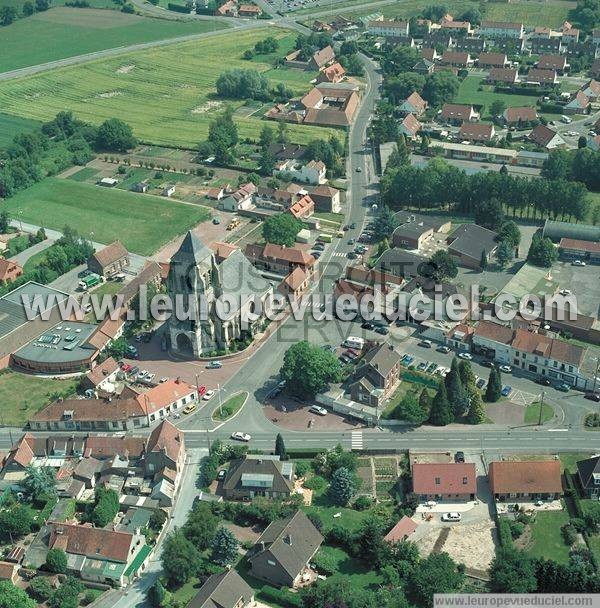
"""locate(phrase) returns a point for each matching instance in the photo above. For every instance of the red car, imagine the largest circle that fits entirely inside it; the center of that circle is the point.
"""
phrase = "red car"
(201, 391)
(126, 367)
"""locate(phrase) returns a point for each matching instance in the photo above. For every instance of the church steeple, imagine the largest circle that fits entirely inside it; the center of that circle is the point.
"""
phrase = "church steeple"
(192, 249)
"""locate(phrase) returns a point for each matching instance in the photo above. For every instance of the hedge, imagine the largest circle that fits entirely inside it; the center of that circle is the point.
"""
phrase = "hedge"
(178, 8)
(504, 533)
(552, 108)
(283, 597)
(574, 493)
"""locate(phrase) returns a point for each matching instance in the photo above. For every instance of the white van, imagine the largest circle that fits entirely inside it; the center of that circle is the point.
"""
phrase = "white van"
(566, 119)
(354, 342)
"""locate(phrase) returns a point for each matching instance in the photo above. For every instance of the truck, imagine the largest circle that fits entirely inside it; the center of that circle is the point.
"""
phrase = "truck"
(89, 281)
(354, 342)
(326, 238)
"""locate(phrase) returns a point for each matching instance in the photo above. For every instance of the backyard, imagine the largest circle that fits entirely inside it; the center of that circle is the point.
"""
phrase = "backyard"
(143, 223)
(167, 94)
(22, 395)
(546, 536)
(84, 31)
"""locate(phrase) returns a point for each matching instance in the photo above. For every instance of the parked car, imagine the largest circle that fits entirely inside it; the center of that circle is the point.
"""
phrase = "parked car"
(486, 363)
(577, 263)
(149, 377)
(563, 387)
(543, 381)
(134, 371)
(465, 356)
(422, 366)
(480, 383)
(408, 359)
(126, 367)
(214, 365)
(451, 516)
(565, 292)
(425, 343)
(351, 241)
(316, 254)
(593, 396)
(188, 409)
(221, 474)
(384, 331)
(207, 395)
(368, 325)
(506, 391)
(351, 255)
(353, 225)
(459, 457)
(507, 369)
(317, 409)
(443, 349)
(239, 436)
(345, 360)
(432, 367)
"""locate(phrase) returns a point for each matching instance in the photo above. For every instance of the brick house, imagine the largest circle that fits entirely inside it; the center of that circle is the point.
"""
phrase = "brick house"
(258, 475)
(452, 481)
(525, 481)
(9, 271)
(112, 259)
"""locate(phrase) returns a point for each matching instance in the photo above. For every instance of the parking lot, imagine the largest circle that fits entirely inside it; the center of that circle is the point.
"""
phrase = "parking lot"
(584, 282)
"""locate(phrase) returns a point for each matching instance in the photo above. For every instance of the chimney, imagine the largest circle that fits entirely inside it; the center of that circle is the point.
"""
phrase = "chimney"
(288, 540)
(178, 380)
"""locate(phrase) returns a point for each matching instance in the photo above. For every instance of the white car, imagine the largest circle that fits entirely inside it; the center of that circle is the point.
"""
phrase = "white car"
(207, 395)
(239, 436)
(465, 356)
(451, 516)
(507, 369)
(149, 377)
(317, 409)
(143, 374)
(565, 292)
(577, 263)
(163, 379)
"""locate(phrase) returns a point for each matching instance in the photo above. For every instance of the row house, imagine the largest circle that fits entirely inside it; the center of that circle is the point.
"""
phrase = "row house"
(500, 29)
(388, 29)
(503, 76)
(492, 60)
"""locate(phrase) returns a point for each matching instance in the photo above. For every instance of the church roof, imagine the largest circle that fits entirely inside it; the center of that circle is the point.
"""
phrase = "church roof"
(192, 248)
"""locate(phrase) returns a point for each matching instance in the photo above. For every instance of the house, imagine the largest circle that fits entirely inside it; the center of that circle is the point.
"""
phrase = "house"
(476, 132)
(401, 531)
(456, 114)
(588, 473)
(303, 208)
(240, 199)
(456, 59)
(215, 194)
(283, 551)
(9, 271)
(110, 260)
(492, 60)
(451, 482)
(166, 397)
(321, 58)
(570, 34)
(88, 471)
(423, 66)
(258, 475)
(558, 63)
(313, 172)
(412, 234)
(470, 45)
(141, 187)
(503, 76)
(430, 54)
(470, 242)
(326, 198)
(578, 104)
(376, 376)
(399, 263)
(581, 49)
(525, 158)
(227, 9)
(459, 28)
(525, 481)
(97, 554)
(224, 590)
(500, 29)
(295, 284)
(334, 73)
(438, 39)
(249, 10)
(576, 249)
(279, 259)
(539, 45)
(388, 29)
(108, 182)
(591, 89)
(102, 376)
(168, 190)
(546, 138)
(330, 105)
(413, 104)
(410, 126)
(520, 117)
(542, 77)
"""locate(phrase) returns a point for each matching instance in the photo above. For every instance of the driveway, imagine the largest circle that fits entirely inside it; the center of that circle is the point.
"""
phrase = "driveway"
(21, 258)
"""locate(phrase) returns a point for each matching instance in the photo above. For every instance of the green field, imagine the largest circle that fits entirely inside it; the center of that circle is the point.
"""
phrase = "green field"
(13, 125)
(83, 31)
(21, 395)
(532, 413)
(166, 94)
(142, 222)
(546, 536)
(469, 93)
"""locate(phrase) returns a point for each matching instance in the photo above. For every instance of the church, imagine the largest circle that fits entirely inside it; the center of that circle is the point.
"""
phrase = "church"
(218, 296)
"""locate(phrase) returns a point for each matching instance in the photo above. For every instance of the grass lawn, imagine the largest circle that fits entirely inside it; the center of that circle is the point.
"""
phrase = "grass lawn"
(469, 93)
(231, 407)
(167, 94)
(83, 31)
(568, 460)
(84, 175)
(186, 592)
(143, 223)
(531, 12)
(13, 125)
(546, 537)
(351, 569)
(532, 413)
(594, 544)
(21, 395)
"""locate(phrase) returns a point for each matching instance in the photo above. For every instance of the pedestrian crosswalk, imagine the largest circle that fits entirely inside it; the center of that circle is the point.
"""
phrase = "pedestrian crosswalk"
(357, 440)
(339, 254)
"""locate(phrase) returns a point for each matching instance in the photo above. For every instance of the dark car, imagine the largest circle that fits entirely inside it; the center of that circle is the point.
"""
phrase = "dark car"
(485, 363)
(351, 255)
(316, 254)
(543, 381)
(459, 457)
(353, 225)
(384, 331)
(221, 474)
(593, 396)
(367, 325)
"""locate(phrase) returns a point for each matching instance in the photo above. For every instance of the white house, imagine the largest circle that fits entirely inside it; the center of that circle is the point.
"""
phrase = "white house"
(389, 29)
(313, 172)
(500, 29)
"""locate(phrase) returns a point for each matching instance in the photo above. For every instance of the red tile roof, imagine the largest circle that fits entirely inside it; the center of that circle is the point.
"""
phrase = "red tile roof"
(405, 527)
(493, 59)
(164, 394)
(95, 543)
(454, 478)
(494, 331)
(523, 114)
(110, 254)
(551, 62)
(476, 131)
(107, 447)
(9, 270)
(591, 246)
(168, 438)
(21, 452)
(527, 477)
(101, 371)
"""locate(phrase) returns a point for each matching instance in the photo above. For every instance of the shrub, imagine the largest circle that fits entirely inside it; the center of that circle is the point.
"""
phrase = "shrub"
(325, 563)
(316, 483)
(569, 534)
(362, 503)
(281, 597)
(504, 533)
(516, 529)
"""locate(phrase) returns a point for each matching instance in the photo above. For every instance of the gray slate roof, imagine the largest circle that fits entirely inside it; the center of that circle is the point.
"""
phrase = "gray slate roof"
(222, 590)
(192, 249)
(252, 466)
(291, 542)
(471, 239)
(588, 469)
(399, 262)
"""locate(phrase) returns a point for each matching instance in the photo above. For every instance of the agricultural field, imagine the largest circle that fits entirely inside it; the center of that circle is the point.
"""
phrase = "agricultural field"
(167, 94)
(469, 92)
(13, 125)
(83, 31)
(142, 222)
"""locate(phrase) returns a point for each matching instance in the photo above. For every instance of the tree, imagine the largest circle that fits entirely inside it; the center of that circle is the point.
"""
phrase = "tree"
(223, 137)
(467, 376)
(489, 214)
(106, 507)
(280, 447)
(4, 221)
(239, 83)
(398, 88)
(493, 391)
(28, 9)
(56, 561)
(370, 545)
(509, 232)
(457, 395)
(440, 267)
(497, 107)
(267, 137)
(477, 413)
(342, 487)
(16, 521)
(437, 573)
(13, 597)
(558, 165)
(200, 526)
(7, 15)
(434, 12)
(180, 559)
(158, 595)
(440, 414)
(115, 135)
(400, 155)
(39, 481)
(440, 87)
(385, 223)
(542, 252)
(42, 5)
(505, 253)
(512, 571)
(411, 410)
(224, 547)
(281, 229)
(40, 588)
(267, 162)
(582, 142)
(425, 401)
(67, 595)
(308, 369)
